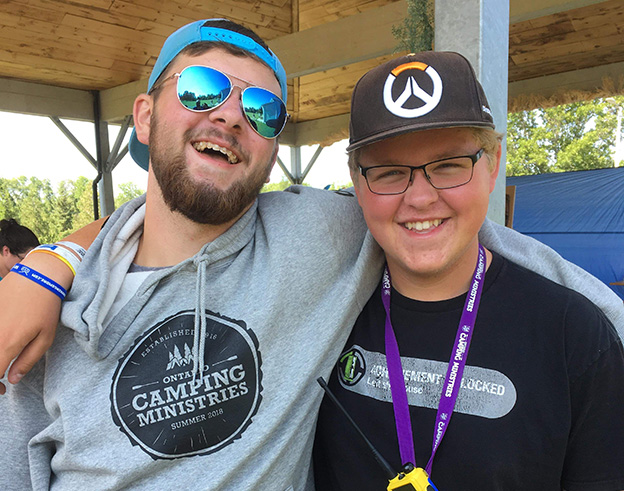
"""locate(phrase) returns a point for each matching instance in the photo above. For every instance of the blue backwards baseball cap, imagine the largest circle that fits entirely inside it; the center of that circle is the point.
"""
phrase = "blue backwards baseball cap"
(193, 33)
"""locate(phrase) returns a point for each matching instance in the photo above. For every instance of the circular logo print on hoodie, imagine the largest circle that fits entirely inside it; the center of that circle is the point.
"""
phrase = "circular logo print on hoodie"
(170, 412)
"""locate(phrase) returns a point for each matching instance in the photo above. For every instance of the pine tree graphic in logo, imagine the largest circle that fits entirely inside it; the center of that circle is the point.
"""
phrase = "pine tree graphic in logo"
(177, 360)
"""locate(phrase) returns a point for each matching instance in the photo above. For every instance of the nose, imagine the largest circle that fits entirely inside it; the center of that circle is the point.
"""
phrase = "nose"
(420, 192)
(230, 113)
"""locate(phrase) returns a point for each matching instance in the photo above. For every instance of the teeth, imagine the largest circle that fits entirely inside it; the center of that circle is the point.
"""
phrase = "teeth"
(426, 225)
(201, 146)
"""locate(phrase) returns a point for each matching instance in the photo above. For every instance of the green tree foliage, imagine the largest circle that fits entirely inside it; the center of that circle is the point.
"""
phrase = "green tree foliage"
(52, 215)
(335, 186)
(31, 203)
(83, 197)
(575, 136)
(277, 186)
(36, 207)
(284, 183)
(127, 191)
(8, 203)
(416, 33)
(74, 205)
(527, 145)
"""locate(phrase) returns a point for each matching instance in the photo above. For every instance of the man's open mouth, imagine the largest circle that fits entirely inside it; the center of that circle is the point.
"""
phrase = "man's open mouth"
(207, 147)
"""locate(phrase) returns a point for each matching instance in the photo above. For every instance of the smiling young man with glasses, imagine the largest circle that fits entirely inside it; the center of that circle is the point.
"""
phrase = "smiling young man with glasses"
(532, 373)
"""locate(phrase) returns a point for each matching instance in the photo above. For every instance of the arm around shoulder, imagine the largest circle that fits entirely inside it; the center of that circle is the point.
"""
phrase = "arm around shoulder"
(538, 257)
(30, 310)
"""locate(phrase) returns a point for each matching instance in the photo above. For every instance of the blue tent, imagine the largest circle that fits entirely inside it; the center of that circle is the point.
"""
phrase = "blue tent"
(580, 215)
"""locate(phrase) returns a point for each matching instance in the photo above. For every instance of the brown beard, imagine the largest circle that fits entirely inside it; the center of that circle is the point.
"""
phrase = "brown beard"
(200, 202)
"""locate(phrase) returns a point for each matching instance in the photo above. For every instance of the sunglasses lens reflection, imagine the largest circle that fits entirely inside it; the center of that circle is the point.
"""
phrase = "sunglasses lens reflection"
(265, 111)
(202, 88)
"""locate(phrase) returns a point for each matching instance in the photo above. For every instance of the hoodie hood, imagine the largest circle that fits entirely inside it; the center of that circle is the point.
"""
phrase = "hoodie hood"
(87, 309)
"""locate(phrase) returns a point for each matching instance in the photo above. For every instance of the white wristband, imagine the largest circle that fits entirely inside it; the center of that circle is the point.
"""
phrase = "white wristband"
(80, 251)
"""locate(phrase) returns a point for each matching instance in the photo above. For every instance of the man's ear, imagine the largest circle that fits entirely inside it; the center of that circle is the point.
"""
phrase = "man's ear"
(494, 172)
(142, 113)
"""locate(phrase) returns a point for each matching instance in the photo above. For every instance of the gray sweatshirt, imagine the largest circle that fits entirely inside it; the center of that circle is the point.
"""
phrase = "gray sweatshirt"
(142, 391)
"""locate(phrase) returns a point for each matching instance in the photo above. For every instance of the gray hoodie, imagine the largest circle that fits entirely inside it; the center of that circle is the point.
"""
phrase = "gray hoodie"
(142, 391)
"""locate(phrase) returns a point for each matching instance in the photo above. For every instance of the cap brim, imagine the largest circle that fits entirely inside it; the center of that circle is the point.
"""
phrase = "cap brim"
(402, 130)
(138, 151)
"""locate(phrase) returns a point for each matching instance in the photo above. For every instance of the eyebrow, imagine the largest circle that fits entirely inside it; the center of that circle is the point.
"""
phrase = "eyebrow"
(440, 156)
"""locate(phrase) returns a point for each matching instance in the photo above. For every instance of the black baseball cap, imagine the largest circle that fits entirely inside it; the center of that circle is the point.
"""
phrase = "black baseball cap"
(421, 91)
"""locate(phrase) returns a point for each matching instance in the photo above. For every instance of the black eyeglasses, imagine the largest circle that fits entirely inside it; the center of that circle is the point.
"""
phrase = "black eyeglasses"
(202, 88)
(442, 174)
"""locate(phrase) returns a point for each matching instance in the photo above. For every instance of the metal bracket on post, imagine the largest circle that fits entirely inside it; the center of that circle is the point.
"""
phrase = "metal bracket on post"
(112, 158)
(286, 172)
(70, 136)
(295, 164)
(297, 177)
(317, 152)
(116, 154)
(103, 180)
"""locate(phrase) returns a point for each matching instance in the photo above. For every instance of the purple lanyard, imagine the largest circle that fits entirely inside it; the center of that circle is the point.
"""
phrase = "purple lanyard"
(454, 373)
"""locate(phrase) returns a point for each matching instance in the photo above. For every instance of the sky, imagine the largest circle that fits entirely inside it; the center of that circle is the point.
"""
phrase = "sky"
(33, 146)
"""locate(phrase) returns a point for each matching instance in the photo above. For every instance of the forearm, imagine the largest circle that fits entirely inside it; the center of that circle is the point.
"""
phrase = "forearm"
(30, 308)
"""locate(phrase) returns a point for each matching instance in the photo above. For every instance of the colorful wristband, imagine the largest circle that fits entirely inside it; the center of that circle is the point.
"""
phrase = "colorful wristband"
(42, 280)
(70, 260)
(80, 251)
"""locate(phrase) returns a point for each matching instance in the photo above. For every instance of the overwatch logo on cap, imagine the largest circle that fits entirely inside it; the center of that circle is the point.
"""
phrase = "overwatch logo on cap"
(403, 96)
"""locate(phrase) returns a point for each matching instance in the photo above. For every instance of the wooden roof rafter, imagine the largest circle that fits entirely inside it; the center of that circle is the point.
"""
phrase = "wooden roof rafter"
(56, 51)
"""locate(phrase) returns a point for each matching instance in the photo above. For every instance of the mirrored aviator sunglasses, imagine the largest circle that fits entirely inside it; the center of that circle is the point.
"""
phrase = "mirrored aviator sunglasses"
(201, 88)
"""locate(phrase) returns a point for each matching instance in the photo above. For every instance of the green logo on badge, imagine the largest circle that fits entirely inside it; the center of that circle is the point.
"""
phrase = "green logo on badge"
(351, 366)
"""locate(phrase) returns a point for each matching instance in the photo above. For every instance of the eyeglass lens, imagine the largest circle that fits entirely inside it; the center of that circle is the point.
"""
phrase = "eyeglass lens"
(444, 174)
(202, 88)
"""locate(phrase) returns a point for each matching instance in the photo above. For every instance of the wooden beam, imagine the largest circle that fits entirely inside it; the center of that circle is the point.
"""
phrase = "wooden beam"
(45, 100)
(521, 10)
(116, 103)
(590, 80)
(341, 42)
(323, 131)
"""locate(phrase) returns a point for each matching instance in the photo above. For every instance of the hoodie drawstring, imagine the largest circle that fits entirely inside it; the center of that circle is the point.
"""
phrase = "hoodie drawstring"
(199, 336)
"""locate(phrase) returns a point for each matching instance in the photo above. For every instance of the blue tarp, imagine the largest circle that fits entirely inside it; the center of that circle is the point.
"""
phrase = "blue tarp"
(580, 215)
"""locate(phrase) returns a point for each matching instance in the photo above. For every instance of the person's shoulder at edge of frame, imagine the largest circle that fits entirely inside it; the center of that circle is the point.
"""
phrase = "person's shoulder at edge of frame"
(304, 202)
(298, 192)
